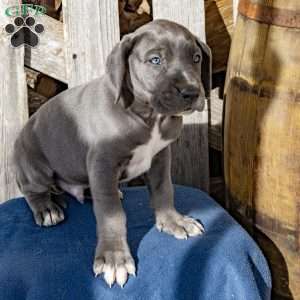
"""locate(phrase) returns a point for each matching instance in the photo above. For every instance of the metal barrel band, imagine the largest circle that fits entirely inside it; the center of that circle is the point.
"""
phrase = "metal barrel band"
(270, 15)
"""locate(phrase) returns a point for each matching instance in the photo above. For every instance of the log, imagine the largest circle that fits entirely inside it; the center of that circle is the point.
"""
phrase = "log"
(13, 105)
(144, 8)
(31, 77)
(190, 152)
(122, 4)
(130, 21)
(47, 87)
(52, 6)
(35, 101)
(133, 5)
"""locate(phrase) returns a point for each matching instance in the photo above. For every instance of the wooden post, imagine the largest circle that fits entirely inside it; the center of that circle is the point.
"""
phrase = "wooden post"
(190, 153)
(91, 30)
(13, 104)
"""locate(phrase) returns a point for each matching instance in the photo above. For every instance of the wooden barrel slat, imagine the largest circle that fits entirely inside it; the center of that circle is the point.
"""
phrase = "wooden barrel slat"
(262, 141)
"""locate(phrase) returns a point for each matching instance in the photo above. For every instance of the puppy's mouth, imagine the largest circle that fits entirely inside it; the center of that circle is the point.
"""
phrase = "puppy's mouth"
(185, 112)
(198, 105)
(172, 104)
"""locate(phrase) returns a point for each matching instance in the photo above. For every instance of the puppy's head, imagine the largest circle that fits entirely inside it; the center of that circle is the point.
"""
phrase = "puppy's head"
(165, 66)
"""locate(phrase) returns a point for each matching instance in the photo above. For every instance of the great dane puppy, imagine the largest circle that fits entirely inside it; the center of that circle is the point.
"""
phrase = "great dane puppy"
(113, 129)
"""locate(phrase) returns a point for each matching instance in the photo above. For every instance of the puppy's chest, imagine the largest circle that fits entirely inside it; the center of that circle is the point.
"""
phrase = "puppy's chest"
(142, 155)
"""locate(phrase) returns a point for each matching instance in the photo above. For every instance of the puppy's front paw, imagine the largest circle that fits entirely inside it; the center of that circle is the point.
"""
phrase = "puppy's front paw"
(115, 266)
(178, 225)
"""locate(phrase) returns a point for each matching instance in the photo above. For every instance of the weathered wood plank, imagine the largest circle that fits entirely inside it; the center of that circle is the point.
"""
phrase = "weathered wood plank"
(91, 30)
(48, 57)
(13, 105)
(190, 152)
(216, 121)
(190, 14)
(235, 4)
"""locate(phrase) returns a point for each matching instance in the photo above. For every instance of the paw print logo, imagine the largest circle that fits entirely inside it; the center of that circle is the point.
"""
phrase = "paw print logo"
(24, 31)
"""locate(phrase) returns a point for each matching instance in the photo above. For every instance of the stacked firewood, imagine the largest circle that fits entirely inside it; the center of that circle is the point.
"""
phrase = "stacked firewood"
(41, 88)
(53, 7)
(133, 14)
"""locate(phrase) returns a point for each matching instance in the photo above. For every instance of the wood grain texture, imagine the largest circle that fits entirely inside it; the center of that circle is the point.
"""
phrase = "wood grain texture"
(48, 57)
(219, 28)
(189, 13)
(13, 105)
(190, 152)
(91, 30)
(262, 143)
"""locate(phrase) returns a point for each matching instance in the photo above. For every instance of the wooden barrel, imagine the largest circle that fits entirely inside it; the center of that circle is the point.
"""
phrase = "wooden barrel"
(262, 134)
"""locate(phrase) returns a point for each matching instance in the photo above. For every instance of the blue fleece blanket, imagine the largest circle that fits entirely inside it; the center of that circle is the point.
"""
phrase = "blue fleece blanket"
(56, 263)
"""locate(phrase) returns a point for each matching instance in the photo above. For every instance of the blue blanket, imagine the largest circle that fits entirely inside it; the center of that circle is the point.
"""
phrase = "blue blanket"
(56, 263)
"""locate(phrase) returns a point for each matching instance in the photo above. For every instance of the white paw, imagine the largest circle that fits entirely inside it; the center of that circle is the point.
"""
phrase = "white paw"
(178, 225)
(115, 266)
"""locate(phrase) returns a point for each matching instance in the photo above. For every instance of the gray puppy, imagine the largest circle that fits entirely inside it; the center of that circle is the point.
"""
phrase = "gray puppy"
(113, 129)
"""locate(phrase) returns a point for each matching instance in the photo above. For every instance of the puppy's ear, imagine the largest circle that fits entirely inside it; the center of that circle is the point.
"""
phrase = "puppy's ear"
(117, 64)
(206, 67)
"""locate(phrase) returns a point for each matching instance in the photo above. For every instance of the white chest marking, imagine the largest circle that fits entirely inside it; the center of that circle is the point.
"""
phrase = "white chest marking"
(142, 155)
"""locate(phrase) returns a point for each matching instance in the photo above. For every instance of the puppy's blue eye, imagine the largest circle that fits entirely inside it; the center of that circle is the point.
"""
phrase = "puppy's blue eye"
(155, 60)
(197, 58)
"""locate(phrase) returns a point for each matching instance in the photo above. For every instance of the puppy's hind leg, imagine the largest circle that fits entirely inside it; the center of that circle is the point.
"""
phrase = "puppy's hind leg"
(46, 212)
(121, 196)
(77, 191)
(35, 182)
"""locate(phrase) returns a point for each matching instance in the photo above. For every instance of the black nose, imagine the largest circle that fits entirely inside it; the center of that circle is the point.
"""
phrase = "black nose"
(189, 92)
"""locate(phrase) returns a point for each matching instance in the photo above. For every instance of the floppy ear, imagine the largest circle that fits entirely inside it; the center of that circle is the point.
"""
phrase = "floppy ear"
(117, 64)
(206, 68)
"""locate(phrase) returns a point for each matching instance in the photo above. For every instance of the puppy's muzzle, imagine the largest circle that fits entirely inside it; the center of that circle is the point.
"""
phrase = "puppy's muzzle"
(189, 93)
(199, 104)
(192, 94)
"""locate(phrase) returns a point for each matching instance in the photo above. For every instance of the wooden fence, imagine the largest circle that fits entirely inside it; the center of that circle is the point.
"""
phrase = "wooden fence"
(74, 52)
(13, 105)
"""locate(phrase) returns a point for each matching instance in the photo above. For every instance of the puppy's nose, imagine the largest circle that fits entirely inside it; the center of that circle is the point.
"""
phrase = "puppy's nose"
(199, 104)
(189, 92)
